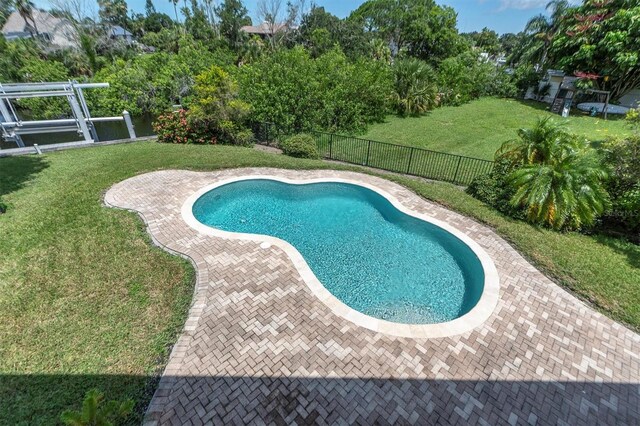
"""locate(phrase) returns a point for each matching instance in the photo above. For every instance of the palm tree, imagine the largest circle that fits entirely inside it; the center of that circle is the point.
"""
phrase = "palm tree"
(380, 50)
(415, 89)
(250, 50)
(175, 9)
(558, 179)
(25, 9)
(567, 192)
(538, 144)
(544, 28)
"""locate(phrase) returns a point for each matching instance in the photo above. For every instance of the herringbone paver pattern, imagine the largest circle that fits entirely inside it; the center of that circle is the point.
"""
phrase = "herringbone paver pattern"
(259, 347)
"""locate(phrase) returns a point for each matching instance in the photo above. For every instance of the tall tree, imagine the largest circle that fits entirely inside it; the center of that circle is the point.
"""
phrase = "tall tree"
(420, 27)
(509, 42)
(487, 40)
(319, 31)
(602, 39)
(232, 16)
(6, 7)
(175, 10)
(114, 12)
(543, 29)
(149, 8)
(25, 9)
(196, 22)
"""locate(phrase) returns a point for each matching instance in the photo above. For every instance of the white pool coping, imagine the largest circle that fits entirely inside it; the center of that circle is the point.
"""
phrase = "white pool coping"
(472, 319)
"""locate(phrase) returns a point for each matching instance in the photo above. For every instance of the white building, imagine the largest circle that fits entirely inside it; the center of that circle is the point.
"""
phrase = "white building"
(554, 79)
(57, 31)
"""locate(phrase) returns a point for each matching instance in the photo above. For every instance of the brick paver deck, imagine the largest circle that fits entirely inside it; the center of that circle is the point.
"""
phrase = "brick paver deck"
(259, 347)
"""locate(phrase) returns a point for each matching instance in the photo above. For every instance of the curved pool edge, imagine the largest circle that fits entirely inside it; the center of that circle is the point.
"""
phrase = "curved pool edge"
(472, 319)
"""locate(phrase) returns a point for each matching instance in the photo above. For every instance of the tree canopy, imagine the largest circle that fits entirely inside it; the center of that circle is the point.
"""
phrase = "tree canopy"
(601, 42)
(422, 28)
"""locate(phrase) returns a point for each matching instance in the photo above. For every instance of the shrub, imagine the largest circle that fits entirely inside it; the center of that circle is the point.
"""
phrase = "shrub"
(216, 110)
(549, 174)
(466, 77)
(415, 91)
(300, 146)
(96, 411)
(501, 84)
(299, 93)
(215, 114)
(173, 127)
(558, 178)
(494, 190)
(623, 159)
(463, 78)
(525, 77)
(3, 207)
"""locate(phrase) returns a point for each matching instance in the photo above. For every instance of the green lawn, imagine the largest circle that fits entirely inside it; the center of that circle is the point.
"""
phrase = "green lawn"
(477, 129)
(87, 301)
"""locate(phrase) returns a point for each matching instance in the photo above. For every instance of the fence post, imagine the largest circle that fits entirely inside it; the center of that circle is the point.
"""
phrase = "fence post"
(368, 151)
(266, 133)
(455, 175)
(127, 121)
(330, 146)
(410, 158)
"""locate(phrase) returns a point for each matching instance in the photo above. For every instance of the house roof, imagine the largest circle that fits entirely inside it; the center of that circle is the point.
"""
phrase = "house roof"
(46, 23)
(118, 31)
(265, 28)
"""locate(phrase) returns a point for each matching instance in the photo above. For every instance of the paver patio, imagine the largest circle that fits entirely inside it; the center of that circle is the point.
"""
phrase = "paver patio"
(259, 347)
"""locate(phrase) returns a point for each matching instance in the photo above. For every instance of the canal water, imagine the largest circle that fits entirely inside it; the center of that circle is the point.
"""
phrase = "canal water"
(107, 131)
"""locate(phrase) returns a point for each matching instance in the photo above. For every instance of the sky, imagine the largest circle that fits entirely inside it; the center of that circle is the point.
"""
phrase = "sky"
(503, 16)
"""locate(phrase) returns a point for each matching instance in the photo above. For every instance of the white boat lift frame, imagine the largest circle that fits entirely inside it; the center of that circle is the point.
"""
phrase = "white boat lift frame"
(82, 122)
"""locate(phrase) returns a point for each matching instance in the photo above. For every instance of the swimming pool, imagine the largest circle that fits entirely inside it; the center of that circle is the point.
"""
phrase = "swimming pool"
(374, 258)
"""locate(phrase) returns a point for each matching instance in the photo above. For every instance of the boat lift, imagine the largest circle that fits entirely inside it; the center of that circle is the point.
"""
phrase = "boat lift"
(81, 121)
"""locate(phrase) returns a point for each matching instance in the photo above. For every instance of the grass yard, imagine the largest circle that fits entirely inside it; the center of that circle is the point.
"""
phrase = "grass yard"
(477, 129)
(86, 300)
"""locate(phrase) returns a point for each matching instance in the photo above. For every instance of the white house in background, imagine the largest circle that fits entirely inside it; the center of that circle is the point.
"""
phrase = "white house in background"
(554, 78)
(57, 31)
(266, 29)
(116, 32)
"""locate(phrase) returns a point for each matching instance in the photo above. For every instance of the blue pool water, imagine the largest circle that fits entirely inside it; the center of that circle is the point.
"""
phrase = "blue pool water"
(374, 258)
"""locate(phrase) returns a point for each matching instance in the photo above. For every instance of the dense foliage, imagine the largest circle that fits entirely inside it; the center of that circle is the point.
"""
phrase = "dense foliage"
(601, 40)
(465, 77)
(421, 28)
(597, 41)
(299, 93)
(152, 83)
(623, 158)
(557, 179)
(320, 72)
(321, 31)
(215, 114)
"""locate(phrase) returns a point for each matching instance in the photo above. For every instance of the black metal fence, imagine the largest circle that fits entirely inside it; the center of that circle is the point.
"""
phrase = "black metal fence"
(265, 133)
(402, 159)
(408, 160)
